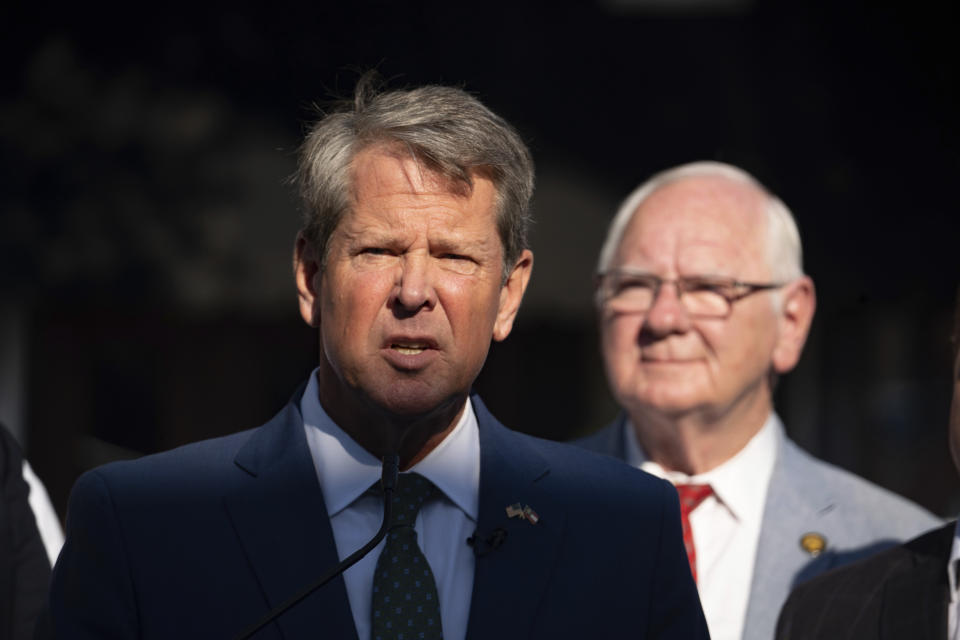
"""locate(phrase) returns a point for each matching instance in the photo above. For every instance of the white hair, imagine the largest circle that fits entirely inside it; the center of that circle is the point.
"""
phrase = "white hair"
(784, 252)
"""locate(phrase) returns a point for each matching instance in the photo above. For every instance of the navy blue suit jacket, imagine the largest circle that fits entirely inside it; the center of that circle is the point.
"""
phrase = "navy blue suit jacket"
(201, 541)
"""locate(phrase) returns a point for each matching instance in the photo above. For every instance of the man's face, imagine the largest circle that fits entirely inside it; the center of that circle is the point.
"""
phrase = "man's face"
(666, 362)
(412, 291)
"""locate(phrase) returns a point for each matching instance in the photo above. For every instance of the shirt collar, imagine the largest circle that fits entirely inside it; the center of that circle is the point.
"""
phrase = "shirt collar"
(346, 470)
(740, 483)
(953, 567)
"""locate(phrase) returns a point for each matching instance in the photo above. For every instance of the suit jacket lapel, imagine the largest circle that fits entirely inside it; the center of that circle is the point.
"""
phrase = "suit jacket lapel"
(794, 505)
(509, 581)
(280, 517)
(915, 601)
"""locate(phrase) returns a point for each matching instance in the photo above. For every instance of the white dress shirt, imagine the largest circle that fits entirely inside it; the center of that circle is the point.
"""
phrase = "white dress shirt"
(726, 525)
(48, 523)
(953, 569)
(346, 470)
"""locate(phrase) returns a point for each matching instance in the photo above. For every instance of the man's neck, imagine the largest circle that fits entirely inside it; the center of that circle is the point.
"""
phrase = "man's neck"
(695, 442)
(381, 433)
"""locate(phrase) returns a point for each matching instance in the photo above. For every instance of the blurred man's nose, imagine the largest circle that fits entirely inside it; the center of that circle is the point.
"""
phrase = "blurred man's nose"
(667, 313)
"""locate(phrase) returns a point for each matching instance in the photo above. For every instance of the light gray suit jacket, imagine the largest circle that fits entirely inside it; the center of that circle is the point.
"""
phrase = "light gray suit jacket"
(805, 495)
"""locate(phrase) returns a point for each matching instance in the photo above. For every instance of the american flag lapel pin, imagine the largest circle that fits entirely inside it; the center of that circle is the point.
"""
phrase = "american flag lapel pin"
(530, 515)
(525, 511)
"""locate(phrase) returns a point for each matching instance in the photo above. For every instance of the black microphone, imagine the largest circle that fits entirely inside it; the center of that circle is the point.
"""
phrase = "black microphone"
(388, 481)
(482, 545)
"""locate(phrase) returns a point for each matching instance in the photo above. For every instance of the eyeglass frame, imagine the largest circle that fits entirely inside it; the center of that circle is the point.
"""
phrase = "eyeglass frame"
(750, 288)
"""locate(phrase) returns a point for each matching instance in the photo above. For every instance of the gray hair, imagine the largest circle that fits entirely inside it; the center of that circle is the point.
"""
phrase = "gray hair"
(784, 252)
(446, 129)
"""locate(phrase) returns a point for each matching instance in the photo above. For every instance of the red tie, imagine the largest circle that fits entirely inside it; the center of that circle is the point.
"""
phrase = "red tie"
(691, 495)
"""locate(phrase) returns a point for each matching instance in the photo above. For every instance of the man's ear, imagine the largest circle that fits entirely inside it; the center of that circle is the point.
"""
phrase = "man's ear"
(795, 316)
(511, 294)
(306, 270)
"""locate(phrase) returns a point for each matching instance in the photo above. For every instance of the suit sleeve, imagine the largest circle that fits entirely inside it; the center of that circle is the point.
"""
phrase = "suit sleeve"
(785, 625)
(676, 610)
(91, 594)
(24, 565)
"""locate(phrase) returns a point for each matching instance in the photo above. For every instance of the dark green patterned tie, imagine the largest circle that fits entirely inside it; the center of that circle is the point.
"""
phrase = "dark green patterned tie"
(405, 602)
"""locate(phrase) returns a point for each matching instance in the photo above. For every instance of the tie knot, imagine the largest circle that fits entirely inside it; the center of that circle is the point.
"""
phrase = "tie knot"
(691, 495)
(411, 492)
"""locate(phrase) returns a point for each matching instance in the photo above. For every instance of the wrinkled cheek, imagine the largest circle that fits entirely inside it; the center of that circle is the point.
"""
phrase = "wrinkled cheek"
(751, 363)
(623, 369)
(471, 361)
(344, 351)
(619, 342)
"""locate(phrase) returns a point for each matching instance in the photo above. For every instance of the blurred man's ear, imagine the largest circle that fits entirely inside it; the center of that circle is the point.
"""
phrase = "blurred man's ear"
(306, 270)
(796, 314)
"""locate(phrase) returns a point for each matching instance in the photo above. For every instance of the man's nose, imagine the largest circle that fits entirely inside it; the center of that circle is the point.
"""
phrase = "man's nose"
(667, 313)
(415, 287)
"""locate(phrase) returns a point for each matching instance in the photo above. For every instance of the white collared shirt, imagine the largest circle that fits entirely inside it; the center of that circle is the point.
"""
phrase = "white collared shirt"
(48, 523)
(726, 526)
(346, 470)
(953, 574)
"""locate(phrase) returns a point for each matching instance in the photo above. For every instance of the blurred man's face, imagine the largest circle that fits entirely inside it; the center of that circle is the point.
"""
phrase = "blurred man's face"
(664, 360)
(412, 291)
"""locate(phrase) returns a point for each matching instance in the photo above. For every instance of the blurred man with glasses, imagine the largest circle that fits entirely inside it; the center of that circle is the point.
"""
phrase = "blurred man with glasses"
(702, 303)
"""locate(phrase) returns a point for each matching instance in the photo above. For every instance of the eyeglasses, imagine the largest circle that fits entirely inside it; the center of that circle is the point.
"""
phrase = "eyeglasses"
(629, 291)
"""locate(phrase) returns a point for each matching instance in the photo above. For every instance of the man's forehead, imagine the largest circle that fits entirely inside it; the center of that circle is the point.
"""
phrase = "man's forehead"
(698, 220)
(395, 193)
(382, 169)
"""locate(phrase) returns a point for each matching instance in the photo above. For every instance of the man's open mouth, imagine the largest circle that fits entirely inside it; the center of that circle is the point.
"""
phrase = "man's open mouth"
(409, 348)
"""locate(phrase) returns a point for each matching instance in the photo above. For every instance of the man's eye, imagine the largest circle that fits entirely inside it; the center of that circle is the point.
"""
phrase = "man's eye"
(707, 286)
(375, 251)
(458, 263)
(635, 284)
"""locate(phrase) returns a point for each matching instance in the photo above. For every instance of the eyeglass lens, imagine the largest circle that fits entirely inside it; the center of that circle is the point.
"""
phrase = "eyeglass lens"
(638, 293)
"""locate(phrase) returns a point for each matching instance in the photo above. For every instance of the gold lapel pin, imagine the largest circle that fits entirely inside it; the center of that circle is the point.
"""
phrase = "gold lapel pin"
(813, 543)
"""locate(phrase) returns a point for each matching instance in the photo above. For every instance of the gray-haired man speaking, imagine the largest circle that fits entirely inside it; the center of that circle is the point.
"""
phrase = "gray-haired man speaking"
(412, 259)
(702, 302)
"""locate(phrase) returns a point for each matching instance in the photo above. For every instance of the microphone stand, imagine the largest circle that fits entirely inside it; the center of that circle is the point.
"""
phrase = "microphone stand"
(388, 481)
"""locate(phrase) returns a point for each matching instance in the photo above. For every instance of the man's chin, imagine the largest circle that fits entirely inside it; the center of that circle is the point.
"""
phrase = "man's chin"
(667, 402)
(412, 402)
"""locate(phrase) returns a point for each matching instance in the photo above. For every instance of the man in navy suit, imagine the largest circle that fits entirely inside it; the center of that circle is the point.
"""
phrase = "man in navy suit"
(413, 256)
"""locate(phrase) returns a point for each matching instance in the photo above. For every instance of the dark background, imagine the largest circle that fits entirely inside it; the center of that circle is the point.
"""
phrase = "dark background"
(146, 297)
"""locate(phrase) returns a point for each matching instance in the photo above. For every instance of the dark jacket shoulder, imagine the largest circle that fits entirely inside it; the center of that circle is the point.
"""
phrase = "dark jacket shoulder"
(902, 588)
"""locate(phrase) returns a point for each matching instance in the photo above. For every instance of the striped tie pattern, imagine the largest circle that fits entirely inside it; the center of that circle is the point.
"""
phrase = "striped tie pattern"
(691, 495)
(405, 604)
